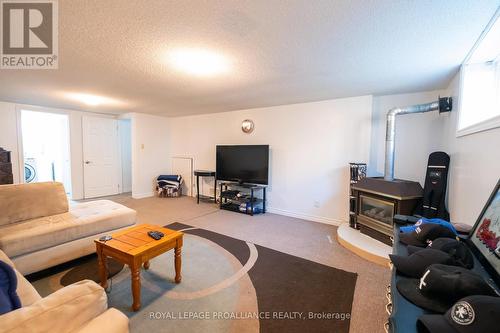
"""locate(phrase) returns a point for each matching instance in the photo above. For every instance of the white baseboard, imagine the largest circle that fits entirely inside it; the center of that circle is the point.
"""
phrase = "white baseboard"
(142, 195)
(314, 218)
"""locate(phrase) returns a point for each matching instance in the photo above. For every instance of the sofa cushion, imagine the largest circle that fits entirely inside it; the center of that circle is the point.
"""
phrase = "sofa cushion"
(9, 300)
(83, 220)
(30, 201)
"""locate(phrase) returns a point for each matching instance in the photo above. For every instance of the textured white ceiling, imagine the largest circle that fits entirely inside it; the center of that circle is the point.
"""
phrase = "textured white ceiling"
(282, 51)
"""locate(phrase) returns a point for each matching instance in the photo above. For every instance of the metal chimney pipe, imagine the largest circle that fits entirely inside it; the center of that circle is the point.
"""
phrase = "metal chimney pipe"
(443, 104)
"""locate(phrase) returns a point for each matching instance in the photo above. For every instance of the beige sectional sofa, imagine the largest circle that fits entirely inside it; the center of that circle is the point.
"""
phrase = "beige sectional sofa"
(81, 307)
(39, 229)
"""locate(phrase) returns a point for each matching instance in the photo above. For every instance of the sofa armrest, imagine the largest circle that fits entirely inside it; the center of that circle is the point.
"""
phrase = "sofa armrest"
(27, 293)
(111, 321)
(66, 310)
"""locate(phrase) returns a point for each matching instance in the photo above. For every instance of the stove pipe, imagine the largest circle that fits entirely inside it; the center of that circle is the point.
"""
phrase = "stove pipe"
(443, 104)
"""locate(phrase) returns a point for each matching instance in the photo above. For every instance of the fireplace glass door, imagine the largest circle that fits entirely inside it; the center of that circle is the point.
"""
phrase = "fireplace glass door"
(376, 209)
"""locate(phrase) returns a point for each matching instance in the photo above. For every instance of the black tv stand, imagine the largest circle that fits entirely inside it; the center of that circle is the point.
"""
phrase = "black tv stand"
(235, 195)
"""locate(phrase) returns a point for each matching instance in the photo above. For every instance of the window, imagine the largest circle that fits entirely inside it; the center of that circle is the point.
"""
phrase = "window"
(480, 84)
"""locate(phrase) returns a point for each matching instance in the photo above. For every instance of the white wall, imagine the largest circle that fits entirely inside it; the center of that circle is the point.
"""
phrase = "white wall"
(475, 158)
(311, 145)
(150, 146)
(76, 152)
(125, 135)
(475, 166)
(417, 135)
(9, 140)
(150, 152)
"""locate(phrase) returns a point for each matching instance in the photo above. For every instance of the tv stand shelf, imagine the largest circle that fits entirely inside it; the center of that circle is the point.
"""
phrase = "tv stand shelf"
(233, 196)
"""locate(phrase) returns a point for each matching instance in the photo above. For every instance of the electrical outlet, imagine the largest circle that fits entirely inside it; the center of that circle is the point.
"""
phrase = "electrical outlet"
(316, 204)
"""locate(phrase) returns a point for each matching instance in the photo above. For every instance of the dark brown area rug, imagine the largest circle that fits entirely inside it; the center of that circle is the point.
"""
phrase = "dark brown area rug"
(293, 294)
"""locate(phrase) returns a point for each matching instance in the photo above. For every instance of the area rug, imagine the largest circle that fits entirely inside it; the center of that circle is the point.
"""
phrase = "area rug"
(228, 285)
(83, 268)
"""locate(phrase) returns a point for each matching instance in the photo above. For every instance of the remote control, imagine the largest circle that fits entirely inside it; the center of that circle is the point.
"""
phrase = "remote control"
(105, 238)
(156, 235)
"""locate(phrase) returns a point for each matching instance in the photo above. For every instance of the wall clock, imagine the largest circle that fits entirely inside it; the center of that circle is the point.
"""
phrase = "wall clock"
(247, 126)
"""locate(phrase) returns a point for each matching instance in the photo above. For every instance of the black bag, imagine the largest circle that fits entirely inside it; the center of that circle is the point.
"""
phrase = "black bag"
(436, 182)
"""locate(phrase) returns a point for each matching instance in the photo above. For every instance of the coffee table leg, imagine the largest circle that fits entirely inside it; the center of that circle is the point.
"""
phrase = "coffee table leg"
(136, 286)
(103, 274)
(177, 260)
(146, 265)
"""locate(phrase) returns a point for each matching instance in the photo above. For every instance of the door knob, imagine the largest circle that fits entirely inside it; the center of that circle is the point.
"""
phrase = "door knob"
(87, 162)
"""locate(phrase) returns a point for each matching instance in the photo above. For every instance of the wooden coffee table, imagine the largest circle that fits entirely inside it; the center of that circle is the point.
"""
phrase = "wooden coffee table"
(133, 247)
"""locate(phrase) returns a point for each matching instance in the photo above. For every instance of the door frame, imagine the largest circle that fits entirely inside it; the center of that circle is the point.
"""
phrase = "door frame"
(20, 143)
(120, 152)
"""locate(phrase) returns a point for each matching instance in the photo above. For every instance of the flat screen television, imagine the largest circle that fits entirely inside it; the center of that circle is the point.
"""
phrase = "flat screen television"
(243, 163)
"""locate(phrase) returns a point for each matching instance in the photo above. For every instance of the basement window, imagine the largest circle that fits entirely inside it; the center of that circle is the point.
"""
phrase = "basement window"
(479, 108)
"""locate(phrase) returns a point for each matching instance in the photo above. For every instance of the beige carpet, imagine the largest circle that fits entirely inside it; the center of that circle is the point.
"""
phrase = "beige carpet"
(309, 240)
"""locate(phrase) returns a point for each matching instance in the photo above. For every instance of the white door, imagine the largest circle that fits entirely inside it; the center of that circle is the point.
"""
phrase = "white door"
(101, 169)
(184, 166)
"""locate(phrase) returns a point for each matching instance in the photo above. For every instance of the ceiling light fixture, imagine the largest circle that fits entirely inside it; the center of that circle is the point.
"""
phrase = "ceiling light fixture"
(199, 62)
(91, 100)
